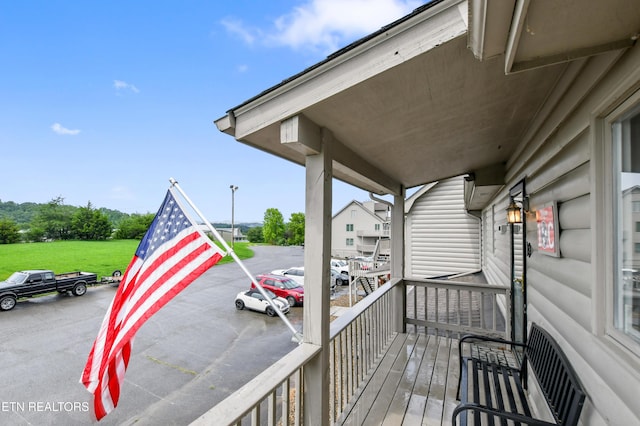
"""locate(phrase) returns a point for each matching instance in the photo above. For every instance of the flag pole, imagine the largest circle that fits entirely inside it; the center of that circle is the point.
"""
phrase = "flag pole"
(297, 336)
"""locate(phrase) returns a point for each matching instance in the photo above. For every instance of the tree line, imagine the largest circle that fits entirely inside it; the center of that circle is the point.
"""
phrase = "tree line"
(275, 231)
(31, 222)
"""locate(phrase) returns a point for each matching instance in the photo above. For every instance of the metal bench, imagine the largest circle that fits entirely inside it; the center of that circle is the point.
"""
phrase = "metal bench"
(492, 386)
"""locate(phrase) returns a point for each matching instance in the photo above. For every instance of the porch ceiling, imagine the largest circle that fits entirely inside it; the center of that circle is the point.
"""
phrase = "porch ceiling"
(534, 33)
(411, 101)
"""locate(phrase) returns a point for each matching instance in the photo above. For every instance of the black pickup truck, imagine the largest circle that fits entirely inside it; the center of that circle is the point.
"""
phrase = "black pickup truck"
(34, 282)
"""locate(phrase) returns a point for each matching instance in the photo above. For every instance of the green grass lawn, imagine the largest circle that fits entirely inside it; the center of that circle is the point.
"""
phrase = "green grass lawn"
(101, 257)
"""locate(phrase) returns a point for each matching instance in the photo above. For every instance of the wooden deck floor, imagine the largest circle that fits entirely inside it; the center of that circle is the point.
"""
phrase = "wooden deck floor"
(414, 383)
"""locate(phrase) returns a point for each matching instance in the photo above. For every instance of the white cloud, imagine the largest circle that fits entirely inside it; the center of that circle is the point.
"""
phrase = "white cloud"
(59, 129)
(326, 25)
(236, 27)
(243, 68)
(123, 85)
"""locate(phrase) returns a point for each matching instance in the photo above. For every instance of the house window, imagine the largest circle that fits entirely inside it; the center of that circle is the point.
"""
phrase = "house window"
(354, 214)
(637, 226)
(625, 137)
(349, 241)
(349, 227)
(376, 227)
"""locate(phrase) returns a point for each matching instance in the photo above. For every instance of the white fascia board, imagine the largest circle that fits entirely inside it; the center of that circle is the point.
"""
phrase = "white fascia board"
(477, 27)
(435, 26)
(517, 27)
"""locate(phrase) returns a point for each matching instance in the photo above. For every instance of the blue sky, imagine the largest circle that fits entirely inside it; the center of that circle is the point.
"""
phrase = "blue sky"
(104, 101)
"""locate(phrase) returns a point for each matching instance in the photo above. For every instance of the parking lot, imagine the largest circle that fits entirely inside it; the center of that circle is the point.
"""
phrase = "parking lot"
(192, 354)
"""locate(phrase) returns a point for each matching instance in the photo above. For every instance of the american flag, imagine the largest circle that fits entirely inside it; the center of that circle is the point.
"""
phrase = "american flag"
(172, 254)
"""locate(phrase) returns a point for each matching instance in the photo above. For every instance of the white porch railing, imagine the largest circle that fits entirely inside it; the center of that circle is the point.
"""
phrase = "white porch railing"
(358, 338)
(455, 308)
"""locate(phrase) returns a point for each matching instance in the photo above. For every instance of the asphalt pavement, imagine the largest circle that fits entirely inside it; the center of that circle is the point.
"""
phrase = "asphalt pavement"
(191, 355)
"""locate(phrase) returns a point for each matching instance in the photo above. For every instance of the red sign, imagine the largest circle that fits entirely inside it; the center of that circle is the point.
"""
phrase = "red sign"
(546, 219)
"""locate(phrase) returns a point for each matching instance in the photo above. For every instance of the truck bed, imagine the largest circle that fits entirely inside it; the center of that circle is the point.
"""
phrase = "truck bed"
(76, 274)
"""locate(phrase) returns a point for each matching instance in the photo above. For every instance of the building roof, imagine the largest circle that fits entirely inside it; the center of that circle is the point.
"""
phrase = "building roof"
(362, 206)
(449, 89)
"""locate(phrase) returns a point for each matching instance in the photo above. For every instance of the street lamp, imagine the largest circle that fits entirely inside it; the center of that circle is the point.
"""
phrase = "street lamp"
(233, 237)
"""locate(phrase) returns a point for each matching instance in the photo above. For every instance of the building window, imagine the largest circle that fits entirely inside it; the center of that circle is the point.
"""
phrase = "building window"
(349, 241)
(625, 136)
(637, 226)
(349, 227)
(376, 227)
(354, 214)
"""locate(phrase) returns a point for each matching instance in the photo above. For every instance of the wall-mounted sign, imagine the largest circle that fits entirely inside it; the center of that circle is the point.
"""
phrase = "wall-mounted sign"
(548, 230)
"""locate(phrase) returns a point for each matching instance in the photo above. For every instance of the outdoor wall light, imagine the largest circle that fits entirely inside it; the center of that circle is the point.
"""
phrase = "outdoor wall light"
(514, 212)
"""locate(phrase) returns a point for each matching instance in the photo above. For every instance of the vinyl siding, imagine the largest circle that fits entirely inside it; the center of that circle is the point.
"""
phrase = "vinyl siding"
(362, 220)
(442, 239)
(564, 294)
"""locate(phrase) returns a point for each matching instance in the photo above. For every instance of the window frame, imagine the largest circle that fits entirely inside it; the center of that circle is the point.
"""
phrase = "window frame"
(606, 218)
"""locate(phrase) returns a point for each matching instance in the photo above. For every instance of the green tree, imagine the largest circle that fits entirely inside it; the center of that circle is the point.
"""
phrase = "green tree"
(134, 227)
(295, 229)
(254, 235)
(273, 226)
(35, 234)
(9, 232)
(54, 218)
(22, 214)
(90, 224)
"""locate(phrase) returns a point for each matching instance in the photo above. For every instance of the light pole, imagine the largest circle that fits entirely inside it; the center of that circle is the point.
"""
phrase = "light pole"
(233, 192)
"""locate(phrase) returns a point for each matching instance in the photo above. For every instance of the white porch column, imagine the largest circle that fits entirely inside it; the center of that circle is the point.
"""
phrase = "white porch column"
(316, 284)
(305, 136)
(397, 260)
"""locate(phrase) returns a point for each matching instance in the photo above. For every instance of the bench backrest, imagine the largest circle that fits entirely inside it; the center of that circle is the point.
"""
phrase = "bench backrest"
(558, 381)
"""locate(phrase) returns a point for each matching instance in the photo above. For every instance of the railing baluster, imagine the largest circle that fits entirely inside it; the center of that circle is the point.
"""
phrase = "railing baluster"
(464, 309)
(271, 409)
(255, 416)
(298, 414)
(349, 360)
(470, 299)
(494, 308)
(334, 366)
(458, 294)
(286, 408)
(357, 341)
(482, 322)
(448, 318)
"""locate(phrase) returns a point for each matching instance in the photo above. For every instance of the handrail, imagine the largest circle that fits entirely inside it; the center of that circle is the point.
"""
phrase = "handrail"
(248, 398)
(357, 340)
(358, 309)
(455, 307)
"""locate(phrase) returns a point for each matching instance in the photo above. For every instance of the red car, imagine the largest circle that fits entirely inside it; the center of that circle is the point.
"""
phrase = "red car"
(283, 287)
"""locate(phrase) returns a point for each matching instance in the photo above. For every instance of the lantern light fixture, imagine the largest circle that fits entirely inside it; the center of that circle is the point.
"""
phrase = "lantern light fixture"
(514, 212)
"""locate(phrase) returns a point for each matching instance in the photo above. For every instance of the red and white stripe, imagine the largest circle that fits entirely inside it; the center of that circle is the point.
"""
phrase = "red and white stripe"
(146, 286)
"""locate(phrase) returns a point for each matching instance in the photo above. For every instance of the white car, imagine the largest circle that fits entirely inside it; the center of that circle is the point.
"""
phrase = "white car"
(295, 273)
(341, 266)
(255, 301)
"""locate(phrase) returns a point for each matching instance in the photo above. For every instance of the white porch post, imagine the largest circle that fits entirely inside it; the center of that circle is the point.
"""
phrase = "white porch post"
(305, 136)
(316, 284)
(397, 260)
